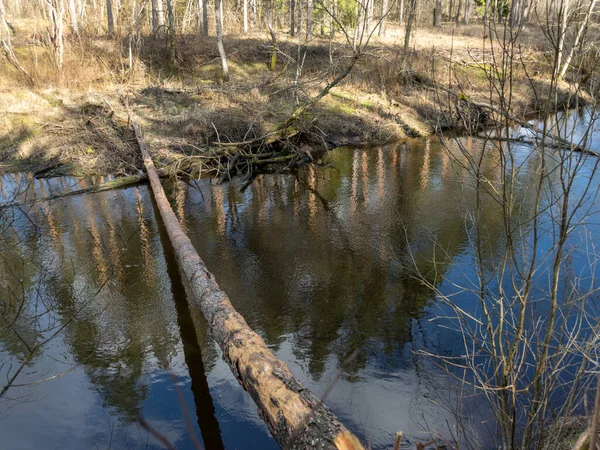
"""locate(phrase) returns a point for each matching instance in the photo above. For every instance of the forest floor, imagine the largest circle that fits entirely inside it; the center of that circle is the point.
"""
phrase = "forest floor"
(71, 121)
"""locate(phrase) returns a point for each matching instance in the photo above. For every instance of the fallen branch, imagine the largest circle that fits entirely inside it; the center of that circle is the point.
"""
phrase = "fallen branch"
(101, 187)
(283, 402)
(8, 52)
(558, 141)
(283, 129)
(533, 142)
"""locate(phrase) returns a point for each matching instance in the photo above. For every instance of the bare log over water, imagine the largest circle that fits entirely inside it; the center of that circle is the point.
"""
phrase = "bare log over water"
(556, 140)
(296, 418)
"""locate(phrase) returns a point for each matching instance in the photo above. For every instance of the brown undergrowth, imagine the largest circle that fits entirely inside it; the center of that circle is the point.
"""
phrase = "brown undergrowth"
(67, 121)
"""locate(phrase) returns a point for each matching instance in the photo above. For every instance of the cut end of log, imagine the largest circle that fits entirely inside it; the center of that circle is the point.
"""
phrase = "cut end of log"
(347, 441)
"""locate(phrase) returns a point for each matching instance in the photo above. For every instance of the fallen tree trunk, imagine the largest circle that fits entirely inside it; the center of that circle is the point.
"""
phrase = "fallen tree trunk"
(559, 142)
(532, 142)
(101, 187)
(296, 418)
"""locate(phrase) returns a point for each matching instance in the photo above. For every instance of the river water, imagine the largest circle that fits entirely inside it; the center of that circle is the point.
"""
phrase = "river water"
(320, 264)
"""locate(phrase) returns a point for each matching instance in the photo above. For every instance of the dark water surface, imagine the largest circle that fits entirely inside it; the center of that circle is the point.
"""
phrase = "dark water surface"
(316, 262)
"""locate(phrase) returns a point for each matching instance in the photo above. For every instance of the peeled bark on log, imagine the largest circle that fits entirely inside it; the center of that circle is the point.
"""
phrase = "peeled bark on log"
(296, 418)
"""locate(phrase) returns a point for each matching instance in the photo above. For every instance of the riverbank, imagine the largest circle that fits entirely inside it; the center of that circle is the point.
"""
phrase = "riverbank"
(72, 121)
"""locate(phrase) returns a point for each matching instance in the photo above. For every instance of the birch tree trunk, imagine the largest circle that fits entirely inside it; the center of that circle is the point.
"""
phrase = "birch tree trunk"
(245, 16)
(73, 18)
(514, 13)
(384, 12)
(309, 19)
(158, 17)
(4, 28)
(562, 31)
(219, 20)
(60, 33)
(116, 10)
(369, 16)
(81, 6)
(578, 37)
(437, 14)
(55, 17)
(525, 14)
(359, 25)
(401, 12)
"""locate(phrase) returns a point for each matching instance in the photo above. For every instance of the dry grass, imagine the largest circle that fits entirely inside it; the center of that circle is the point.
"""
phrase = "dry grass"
(64, 117)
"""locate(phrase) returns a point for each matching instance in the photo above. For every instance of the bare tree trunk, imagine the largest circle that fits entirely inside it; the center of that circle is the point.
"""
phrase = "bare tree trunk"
(409, 24)
(116, 11)
(81, 6)
(369, 16)
(172, 37)
(562, 31)
(458, 12)
(384, 12)
(332, 24)
(526, 11)
(437, 14)
(450, 7)
(73, 17)
(272, 33)
(110, 18)
(309, 19)
(292, 17)
(4, 28)
(580, 32)
(59, 34)
(300, 8)
(6, 46)
(359, 27)
(55, 17)
(219, 19)
(401, 12)
(205, 18)
(467, 12)
(155, 20)
(486, 19)
(252, 13)
(245, 16)
(514, 13)
(184, 21)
